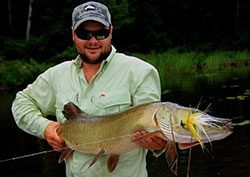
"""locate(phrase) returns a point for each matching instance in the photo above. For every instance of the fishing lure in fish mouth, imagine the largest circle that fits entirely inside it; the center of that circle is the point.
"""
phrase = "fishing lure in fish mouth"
(189, 123)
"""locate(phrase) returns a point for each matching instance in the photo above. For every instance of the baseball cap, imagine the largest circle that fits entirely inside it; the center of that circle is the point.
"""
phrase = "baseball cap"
(91, 11)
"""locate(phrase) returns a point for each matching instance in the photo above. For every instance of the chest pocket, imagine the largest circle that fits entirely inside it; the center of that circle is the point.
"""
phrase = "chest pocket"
(112, 101)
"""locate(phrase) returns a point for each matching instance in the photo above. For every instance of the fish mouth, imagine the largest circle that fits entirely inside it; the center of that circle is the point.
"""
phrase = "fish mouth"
(191, 126)
(214, 128)
(220, 123)
(206, 128)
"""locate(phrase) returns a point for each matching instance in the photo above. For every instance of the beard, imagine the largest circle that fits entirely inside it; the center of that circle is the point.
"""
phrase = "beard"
(88, 60)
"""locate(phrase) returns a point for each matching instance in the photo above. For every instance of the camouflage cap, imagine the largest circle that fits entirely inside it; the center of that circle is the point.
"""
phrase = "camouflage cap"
(91, 11)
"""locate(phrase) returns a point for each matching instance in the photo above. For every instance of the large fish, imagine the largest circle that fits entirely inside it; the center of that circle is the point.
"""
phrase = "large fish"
(111, 134)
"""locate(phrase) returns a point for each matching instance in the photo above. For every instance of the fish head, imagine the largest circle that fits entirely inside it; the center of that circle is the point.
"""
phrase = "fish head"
(189, 125)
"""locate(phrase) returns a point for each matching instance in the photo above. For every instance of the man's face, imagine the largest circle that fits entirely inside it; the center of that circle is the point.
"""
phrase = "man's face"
(92, 41)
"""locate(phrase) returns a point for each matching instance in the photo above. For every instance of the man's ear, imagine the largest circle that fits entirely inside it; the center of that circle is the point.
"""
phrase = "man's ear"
(111, 31)
(73, 33)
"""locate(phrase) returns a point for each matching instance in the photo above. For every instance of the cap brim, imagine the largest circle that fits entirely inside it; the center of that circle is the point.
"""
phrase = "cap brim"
(97, 19)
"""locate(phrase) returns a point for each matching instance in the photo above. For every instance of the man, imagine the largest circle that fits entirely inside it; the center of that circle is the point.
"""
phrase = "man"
(100, 81)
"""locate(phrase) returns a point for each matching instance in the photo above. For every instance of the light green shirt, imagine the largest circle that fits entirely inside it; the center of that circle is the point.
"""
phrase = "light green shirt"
(121, 82)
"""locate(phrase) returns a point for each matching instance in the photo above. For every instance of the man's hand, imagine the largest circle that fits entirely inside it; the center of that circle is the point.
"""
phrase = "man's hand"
(152, 143)
(52, 137)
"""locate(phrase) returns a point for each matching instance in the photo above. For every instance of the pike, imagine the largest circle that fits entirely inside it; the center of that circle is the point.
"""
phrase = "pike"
(111, 134)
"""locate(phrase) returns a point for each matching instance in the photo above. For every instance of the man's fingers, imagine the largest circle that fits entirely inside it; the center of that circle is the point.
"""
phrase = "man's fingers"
(57, 146)
(152, 143)
(159, 141)
(52, 137)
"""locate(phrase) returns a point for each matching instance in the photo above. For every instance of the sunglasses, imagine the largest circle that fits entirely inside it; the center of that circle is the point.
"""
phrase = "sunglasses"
(87, 35)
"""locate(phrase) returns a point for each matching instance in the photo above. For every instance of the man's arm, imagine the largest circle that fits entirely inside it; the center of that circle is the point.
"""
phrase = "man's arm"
(32, 105)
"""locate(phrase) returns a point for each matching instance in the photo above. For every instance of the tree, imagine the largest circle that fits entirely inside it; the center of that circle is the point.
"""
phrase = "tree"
(9, 15)
(29, 20)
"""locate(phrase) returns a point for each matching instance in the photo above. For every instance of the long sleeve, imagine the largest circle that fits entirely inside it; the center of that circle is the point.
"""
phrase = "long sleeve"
(33, 104)
(147, 88)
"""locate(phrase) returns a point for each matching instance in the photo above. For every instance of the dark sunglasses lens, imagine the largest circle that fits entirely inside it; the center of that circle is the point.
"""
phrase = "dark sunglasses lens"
(102, 34)
(83, 34)
(87, 35)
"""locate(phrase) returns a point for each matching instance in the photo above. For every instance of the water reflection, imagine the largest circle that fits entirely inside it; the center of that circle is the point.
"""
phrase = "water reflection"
(227, 97)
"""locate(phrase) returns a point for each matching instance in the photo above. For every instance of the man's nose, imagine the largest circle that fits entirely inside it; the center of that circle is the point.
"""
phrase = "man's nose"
(93, 39)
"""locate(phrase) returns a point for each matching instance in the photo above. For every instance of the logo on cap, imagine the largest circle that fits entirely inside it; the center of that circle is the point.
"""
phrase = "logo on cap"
(89, 7)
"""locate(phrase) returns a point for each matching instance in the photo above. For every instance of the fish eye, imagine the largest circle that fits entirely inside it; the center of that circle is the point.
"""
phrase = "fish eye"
(182, 124)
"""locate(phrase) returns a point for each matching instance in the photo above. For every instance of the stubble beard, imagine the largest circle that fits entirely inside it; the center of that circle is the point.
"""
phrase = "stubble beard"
(88, 60)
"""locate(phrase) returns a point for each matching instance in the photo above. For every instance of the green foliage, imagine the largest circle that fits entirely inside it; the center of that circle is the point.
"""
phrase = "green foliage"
(120, 11)
(170, 64)
(68, 54)
(17, 73)
(214, 66)
(14, 49)
(154, 26)
(24, 49)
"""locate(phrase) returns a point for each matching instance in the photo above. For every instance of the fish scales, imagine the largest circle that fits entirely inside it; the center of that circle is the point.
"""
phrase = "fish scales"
(111, 133)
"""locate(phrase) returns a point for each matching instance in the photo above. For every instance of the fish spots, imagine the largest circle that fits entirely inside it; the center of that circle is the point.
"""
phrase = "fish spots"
(176, 126)
(102, 95)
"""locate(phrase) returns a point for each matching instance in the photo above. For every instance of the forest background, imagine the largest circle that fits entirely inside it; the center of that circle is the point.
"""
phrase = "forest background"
(38, 32)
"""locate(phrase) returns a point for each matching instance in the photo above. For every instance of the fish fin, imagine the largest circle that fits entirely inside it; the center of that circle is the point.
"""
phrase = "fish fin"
(171, 155)
(170, 152)
(147, 135)
(187, 145)
(65, 154)
(158, 153)
(71, 110)
(112, 162)
(97, 156)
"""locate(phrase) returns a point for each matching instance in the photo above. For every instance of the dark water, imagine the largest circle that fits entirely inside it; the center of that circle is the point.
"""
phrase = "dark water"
(229, 157)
